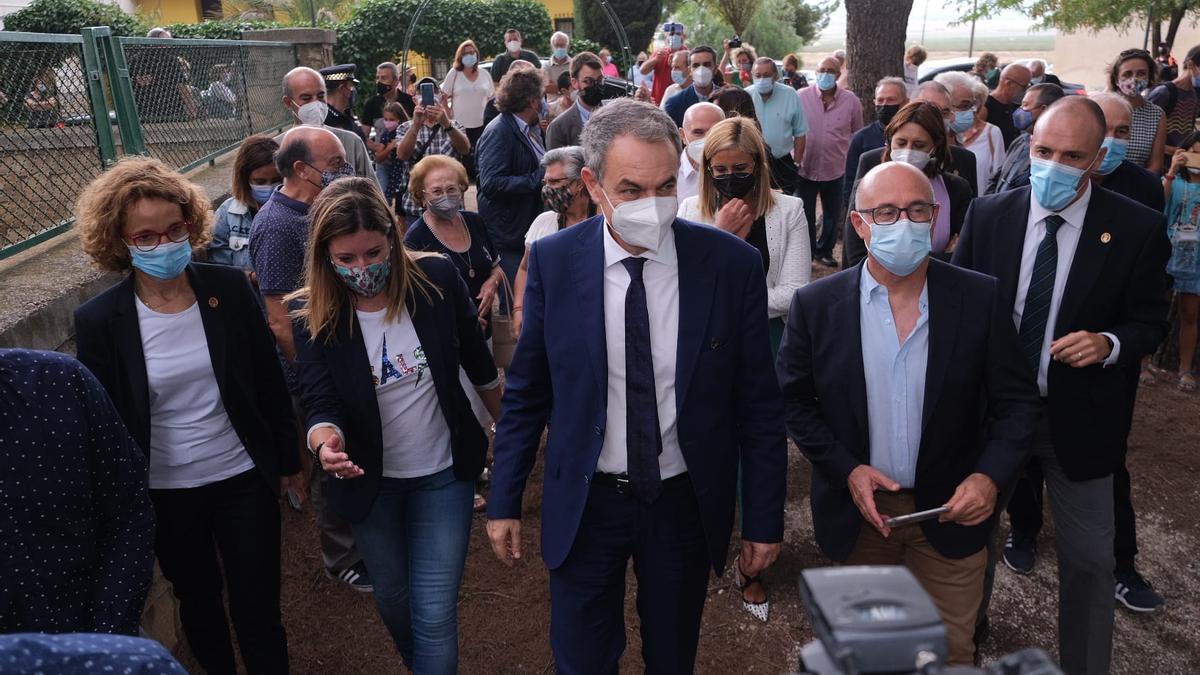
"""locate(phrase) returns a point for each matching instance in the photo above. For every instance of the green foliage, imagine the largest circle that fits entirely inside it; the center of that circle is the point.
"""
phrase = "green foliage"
(223, 29)
(579, 44)
(640, 18)
(288, 12)
(772, 31)
(71, 16)
(808, 20)
(1072, 15)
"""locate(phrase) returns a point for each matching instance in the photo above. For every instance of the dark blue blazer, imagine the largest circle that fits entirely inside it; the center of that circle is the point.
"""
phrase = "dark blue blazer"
(243, 355)
(678, 104)
(337, 388)
(979, 412)
(728, 402)
(1138, 184)
(510, 182)
(1116, 285)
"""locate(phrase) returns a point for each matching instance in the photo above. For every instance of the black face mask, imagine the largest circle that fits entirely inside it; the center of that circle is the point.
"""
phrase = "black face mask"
(382, 88)
(885, 113)
(734, 185)
(591, 96)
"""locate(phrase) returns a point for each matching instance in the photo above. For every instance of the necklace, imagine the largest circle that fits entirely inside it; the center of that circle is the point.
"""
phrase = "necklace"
(464, 258)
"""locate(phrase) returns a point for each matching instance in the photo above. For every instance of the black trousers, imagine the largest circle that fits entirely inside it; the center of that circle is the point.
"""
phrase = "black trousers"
(469, 160)
(236, 519)
(670, 561)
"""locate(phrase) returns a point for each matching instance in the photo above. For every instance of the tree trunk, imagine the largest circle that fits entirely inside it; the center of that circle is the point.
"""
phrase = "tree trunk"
(1155, 33)
(1173, 27)
(875, 32)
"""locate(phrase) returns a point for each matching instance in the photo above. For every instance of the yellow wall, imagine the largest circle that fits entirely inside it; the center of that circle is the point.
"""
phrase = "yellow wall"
(559, 9)
(171, 11)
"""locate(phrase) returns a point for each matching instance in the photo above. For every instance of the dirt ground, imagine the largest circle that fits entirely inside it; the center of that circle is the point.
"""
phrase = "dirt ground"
(504, 614)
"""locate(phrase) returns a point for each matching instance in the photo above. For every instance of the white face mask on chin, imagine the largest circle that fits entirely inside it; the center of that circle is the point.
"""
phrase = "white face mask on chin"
(643, 223)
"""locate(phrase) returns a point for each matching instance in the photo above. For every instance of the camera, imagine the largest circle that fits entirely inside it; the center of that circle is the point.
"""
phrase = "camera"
(735, 42)
(878, 619)
(615, 87)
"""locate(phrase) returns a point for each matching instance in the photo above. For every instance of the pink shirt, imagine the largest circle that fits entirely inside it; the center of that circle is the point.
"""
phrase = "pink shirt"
(829, 132)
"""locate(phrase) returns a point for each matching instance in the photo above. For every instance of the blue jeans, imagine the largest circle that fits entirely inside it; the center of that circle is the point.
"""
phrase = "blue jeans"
(414, 541)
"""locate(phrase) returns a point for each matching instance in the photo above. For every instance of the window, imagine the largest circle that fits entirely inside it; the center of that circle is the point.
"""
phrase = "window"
(566, 25)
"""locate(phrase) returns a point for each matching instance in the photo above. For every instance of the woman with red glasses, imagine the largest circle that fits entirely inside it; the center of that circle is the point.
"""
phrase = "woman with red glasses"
(185, 355)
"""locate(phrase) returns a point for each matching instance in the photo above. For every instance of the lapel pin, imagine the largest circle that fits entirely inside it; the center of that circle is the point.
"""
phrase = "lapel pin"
(715, 344)
(1105, 238)
(213, 303)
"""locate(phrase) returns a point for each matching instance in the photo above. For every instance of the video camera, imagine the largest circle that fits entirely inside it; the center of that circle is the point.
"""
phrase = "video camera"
(615, 87)
(878, 619)
(735, 42)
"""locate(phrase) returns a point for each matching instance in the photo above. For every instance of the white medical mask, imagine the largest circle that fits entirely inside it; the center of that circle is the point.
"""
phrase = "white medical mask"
(702, 76)
(917, 158)
(513, 46)
(313, 113)
(643, 223)
(695, 151)
(763, 85)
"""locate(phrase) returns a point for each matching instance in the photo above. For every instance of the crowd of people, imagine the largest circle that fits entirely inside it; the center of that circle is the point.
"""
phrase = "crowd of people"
(332, 333)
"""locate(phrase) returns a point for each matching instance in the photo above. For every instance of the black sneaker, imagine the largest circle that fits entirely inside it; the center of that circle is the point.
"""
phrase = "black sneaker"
(1020, 552)
(354, 576)
(827, 260)
(1136, 593)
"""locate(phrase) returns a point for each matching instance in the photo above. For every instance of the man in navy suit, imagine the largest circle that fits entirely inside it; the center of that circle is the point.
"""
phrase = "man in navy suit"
(1081, 269)
(645, 347)
(903, 385)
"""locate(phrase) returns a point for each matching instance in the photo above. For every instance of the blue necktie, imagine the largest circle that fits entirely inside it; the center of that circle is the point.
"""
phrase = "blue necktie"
(1041, 290)
(643, 442)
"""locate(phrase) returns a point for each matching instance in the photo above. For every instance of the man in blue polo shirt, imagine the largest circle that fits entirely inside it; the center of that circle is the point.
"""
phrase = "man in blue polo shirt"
(782, 121)
(703, 65)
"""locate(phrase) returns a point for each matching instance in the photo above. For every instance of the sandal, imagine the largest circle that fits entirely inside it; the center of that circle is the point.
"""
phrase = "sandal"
(1187, 381)
(1147, 378)
(759, 610)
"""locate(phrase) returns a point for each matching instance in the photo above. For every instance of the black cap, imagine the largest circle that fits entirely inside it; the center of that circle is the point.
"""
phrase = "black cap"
(339, 73)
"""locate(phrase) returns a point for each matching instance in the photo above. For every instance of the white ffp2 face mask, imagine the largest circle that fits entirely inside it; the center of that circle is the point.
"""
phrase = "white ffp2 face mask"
(643, 223)
(917, 158)
(695, 152)
(313, 113)
(702, 76)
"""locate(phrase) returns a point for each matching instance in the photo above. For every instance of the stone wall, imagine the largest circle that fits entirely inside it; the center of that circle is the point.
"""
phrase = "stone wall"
(314, 46)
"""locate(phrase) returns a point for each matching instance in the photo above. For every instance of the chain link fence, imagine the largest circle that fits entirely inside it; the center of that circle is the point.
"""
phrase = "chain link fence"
(48, 139)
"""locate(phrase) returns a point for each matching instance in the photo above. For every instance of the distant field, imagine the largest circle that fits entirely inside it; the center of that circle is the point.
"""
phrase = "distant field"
(983, 43)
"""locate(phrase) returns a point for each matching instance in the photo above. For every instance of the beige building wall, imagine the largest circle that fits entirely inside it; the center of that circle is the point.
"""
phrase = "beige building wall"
(1085, 57)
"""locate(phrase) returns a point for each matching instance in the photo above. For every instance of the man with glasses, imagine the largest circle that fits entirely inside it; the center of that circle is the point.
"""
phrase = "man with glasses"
(1014, 81)
(1014, 173)
(429, 132)
(870, 356)
(586, 77)
(702, 62)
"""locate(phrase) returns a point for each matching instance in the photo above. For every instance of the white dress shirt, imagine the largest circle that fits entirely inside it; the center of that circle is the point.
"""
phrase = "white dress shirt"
(1068, 240)
(661, 278)
(687, 183)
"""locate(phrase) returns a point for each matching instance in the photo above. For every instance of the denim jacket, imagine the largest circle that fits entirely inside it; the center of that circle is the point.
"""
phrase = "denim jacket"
(231, 235)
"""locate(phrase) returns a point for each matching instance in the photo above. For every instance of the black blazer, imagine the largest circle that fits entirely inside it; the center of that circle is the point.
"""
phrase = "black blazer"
(959, 190)
(1116, 285)
(243, 355)
(1136, 183)
(979, 411)
(336, 385)
(510, 182)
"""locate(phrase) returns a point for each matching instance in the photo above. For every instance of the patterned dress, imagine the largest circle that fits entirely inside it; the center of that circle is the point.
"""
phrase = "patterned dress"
(1141, 134)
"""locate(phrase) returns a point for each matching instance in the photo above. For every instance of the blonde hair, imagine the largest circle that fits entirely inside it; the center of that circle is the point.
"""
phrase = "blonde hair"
(345, 207)
(429, 164)
(103, 204)
(735, 133)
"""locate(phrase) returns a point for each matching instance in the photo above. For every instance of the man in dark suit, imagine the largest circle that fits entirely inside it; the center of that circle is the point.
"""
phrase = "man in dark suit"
(1084, 278)
(509, 158)
(586, 77)
(903, 386)
(1117, 173)
(645, 347)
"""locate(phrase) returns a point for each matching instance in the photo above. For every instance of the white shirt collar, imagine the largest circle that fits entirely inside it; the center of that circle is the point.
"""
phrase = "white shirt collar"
(1073, 215)
(238, 207)
(614, 254)
(685, 166)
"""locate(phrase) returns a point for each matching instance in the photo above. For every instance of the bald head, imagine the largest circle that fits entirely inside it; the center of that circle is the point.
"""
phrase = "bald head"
(304, 153)
(300, 86)
(893, 184)
(1037, 68)
(697, 120)
(1118, 115)
(830, 63)
(1078, 115)
(1014, 80)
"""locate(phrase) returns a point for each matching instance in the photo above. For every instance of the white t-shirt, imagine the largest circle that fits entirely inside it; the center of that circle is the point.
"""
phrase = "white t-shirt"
(416, 438)
(467, 98)
(192, 441)
(544, 225)
(910, 79)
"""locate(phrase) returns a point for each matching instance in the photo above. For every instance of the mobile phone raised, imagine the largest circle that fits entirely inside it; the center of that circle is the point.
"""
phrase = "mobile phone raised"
(917, 517)
(427, 94)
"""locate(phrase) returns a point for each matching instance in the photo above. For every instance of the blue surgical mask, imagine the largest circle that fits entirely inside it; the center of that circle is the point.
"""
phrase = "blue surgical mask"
(963, 119)
(1022, 119)
(469, 60)
(678, 77)
(901, 246)
(1117, 147)
(1054, 185)
(166, 261)
(262, 193)
(1196, 81)
(763, 85)
(1035, 80)
(560, 52)
(826, 81)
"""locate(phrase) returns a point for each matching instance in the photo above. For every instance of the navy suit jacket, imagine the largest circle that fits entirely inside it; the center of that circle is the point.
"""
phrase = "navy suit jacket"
(244, 360)
(337, 387)
(1116, 285)
(1138, 184)
(678, 104)
(730, 412)
(510, 181)
(979, 411)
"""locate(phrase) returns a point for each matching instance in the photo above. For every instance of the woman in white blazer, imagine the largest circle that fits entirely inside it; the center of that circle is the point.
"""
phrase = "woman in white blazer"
(736, 196)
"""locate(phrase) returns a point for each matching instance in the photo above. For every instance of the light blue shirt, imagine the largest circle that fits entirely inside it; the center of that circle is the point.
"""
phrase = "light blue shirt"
(781, 117)
(534, 138)
(895, 375)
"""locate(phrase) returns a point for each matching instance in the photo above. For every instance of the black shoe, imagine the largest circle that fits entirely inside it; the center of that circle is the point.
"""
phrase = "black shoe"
(1020, 552)
(827, 260)
(354, 576)
(983, 630)
(1136, 593)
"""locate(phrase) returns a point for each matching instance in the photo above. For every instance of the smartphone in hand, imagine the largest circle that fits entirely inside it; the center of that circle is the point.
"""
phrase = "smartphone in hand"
(427, 94)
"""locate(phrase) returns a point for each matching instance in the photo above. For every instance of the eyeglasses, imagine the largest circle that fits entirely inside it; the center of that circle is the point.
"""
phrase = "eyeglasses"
(588, 82)
(921, 212)
(439, 192)
(962, 107)
(148, 241)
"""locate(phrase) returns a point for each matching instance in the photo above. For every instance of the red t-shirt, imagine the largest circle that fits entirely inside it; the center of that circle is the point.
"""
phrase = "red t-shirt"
(662, 74)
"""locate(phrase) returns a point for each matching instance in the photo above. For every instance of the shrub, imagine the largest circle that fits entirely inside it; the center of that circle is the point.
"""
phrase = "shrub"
(222, 29)
(72, 16)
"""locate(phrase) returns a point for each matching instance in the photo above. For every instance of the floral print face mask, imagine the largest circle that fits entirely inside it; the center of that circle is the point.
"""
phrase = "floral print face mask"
(366, 281)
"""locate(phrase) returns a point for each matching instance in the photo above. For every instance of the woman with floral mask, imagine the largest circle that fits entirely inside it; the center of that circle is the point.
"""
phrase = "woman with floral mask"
(1132, 75)
(254, 179)
(380, 337)
(569, 203)
(186, 357)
